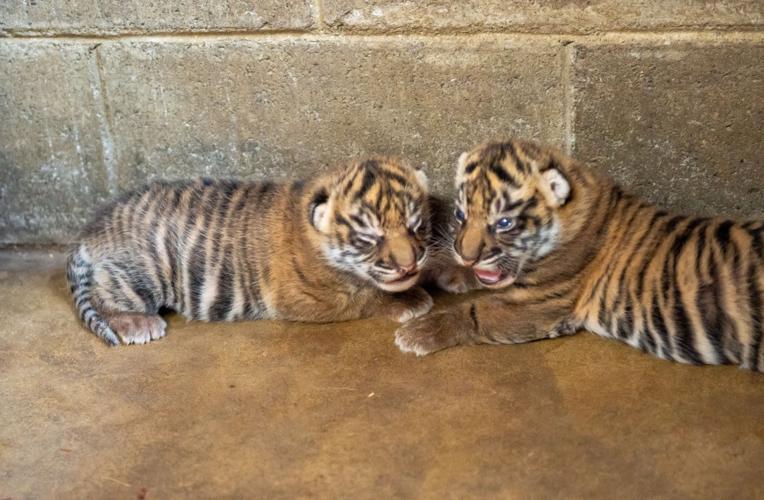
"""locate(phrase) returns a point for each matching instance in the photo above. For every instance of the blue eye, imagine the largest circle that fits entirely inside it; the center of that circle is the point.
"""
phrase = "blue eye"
(505, 223)
(459, 215)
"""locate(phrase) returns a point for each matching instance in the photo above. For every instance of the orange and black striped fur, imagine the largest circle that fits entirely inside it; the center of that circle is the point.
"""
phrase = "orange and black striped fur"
(565, 249)
(347, 245)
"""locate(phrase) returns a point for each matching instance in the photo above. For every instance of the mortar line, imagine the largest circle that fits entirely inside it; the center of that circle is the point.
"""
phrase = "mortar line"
(568, 80)
(32, 246)
(105, 126)
(319, 4)
(605, 37)
(127, 34)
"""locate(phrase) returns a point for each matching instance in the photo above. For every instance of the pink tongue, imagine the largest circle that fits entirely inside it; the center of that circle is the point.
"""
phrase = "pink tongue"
(488, 276)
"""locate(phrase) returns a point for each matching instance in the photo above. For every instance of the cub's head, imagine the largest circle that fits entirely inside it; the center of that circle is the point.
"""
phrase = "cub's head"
(374, 222)
(508, 202)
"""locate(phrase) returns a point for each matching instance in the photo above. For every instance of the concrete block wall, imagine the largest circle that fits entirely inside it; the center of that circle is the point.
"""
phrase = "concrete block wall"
(98, 96)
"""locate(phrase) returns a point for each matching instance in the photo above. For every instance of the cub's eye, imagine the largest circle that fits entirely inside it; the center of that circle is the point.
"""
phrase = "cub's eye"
(505, 223)
(365, 241)
(459, 215)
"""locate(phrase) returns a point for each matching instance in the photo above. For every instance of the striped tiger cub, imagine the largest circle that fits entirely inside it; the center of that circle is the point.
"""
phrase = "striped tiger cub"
(565, 249)
(346, 245)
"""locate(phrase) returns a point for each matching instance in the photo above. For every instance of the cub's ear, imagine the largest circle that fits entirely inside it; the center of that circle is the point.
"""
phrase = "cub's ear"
(421, 177)
(318, 210)
(461, 164)
(555, 187)
(462, 161)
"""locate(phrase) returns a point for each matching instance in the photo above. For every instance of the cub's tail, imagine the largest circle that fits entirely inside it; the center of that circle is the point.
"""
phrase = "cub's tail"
(79, 274)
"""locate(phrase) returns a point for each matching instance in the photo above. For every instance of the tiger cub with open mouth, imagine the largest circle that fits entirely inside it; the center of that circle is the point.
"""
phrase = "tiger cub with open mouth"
(565, 249)
(346, 245)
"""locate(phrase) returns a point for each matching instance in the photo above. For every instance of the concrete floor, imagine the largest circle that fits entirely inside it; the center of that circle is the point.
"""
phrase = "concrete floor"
(275, 410)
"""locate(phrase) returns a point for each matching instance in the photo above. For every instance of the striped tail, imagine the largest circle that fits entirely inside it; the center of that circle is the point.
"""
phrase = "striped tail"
(79, 274)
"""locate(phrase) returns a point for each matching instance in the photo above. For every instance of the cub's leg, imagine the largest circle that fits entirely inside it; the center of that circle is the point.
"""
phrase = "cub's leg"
(117, 299)
(331, 307)
(404, 306)
(486, 320)
(129, 303)
(400, 306)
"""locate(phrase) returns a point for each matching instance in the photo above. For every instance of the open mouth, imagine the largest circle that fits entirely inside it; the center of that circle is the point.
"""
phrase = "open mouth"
(399, 284)
(493, 277)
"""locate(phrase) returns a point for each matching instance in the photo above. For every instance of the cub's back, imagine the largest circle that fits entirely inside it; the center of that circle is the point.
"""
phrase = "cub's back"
(176, 236)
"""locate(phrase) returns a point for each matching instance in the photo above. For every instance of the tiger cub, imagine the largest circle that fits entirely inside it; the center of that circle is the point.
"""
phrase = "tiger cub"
(566, 249)
(346, 245)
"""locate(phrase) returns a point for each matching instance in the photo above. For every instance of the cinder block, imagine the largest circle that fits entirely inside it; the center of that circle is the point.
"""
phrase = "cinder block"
(678, 123)
(52, 136)
(570, 16)
(275, 108)
(120, 16)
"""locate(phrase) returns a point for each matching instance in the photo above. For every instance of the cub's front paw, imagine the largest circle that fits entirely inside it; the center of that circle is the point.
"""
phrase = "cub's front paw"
(410, 304)
(429, 333)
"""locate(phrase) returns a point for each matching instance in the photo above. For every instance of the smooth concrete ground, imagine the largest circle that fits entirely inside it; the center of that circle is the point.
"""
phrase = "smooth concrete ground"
(276, 410)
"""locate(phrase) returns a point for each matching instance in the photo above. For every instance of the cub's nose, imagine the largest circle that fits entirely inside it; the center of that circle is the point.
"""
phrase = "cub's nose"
(402, 254)
(465, 261)
(468, 262)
